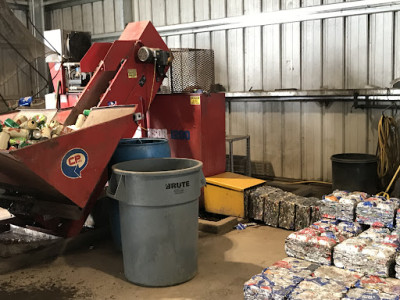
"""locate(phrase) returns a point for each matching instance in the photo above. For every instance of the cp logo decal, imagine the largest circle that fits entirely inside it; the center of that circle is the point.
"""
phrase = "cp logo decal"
(74, 162)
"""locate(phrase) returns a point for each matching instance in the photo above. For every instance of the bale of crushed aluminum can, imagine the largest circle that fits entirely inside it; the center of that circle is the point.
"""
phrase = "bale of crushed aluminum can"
(372, 252)
(389, 286)
(256, 201)
(377, 211)
(323, 280)
(287, 212)
(272, 207)
(278, 281)
(316, 243)
(316, 211)
(350, 229)
(366, 294)
(318, 288)
(303, 213)
(346, 277)
(330, 204)
(341, 205)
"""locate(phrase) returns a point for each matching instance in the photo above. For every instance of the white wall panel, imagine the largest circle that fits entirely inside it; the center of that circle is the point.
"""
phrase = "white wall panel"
(273, 138)
(333, 135)
(67, 18)
(186, 11)
(356, 52)
(119, 15)
(291, 50)
(292, 159)
(77, 21)
(311, 129)
(271, 47)
(173, 12)
(381, 49)
(158, 10)
(56, 19)
(355, 129)
(98, 17)
(87, 15)
(396, 49)
(311, 60)
(252, 48)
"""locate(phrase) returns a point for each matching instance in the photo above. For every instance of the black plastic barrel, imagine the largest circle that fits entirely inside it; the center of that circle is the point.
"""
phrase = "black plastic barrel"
(355, 172)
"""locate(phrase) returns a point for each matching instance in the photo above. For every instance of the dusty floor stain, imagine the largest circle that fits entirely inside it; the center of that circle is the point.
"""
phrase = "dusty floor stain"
(42, 292)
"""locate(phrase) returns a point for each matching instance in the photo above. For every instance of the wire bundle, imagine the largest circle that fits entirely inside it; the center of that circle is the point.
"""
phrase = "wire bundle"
(388, 148)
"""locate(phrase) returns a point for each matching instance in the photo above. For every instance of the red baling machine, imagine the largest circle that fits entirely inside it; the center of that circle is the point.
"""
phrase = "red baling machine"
(56, 182)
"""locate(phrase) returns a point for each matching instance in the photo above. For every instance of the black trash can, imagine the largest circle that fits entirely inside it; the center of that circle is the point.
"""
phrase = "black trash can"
(355, 172)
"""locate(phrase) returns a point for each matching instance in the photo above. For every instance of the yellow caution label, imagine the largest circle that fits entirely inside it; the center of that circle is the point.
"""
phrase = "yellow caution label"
(132, 73)
(194, 100)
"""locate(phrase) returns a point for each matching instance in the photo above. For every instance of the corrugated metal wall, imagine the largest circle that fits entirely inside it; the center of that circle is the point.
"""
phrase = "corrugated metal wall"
(20, 84)
(291, 139)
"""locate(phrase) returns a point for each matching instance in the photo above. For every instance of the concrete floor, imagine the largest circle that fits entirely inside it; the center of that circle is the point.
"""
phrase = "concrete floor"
(225, 263)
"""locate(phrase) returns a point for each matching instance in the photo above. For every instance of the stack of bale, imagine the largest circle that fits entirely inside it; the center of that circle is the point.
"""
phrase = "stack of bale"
(316, 243)
(297, 279)
(278, 208)
(279, 280)
(372, 252)
(341, 205)
(326, 282)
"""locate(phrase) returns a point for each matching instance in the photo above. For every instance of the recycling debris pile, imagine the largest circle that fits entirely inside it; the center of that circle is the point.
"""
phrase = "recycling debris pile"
(372, 252)
(22, 131)
(316, 243)
(278, 208)
(341, 205)
(279, 280)
(377, 211)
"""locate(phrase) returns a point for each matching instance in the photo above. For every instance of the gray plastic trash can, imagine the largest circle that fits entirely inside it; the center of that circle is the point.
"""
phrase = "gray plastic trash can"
(159, 218)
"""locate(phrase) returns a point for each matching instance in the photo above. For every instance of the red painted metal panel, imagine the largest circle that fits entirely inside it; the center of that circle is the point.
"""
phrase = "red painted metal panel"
(57, 74)
(194, 130)
(95, 54)
(145, 32)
